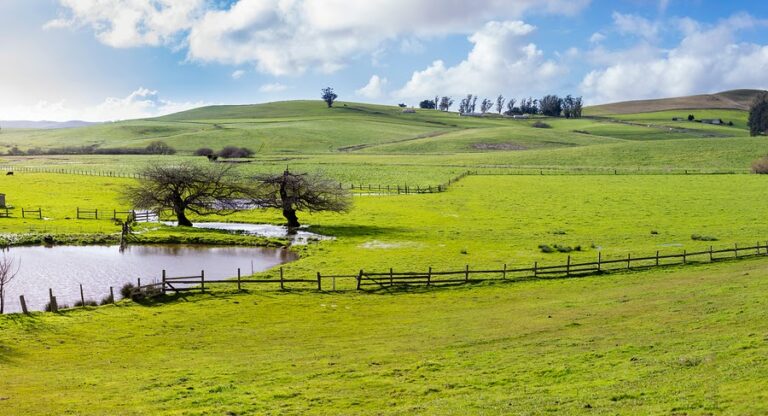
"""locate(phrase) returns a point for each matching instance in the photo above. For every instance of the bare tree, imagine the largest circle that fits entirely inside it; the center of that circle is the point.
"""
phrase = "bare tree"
(437, 102)
(485, 105)
(293, 192)
(201, 189)
(8, 271)
(500, 103)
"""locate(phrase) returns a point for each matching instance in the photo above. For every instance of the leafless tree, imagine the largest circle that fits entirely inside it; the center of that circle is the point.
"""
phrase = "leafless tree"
(8, 271)
(500, 103)
(201, 189)
(445, 103)
(293, 192)
(485, 105)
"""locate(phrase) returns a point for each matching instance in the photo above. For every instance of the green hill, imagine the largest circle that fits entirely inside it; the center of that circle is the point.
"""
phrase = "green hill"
(728, 100)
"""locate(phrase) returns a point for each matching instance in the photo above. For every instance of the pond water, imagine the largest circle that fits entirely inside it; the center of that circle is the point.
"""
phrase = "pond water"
(64, 268)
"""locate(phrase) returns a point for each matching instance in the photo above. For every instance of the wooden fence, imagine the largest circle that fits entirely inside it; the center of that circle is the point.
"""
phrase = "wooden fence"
(32, 212)
(87, 214)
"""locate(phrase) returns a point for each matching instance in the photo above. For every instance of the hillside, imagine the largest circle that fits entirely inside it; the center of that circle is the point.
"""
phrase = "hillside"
(729, 100)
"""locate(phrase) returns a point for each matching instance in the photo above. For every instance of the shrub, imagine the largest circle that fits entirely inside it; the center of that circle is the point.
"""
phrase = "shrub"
(127, 290)
(697, 237)
(204, 151)
(760, 166)
(546, 249)
(80, 303)
(106, 300)
(541, 125)
(230, 152)
(159, 148)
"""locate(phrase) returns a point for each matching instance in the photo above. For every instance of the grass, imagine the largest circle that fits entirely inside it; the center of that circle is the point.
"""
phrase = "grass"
(687, 341)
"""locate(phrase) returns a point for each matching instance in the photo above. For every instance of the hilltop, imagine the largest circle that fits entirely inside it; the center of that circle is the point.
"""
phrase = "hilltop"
(726, 100)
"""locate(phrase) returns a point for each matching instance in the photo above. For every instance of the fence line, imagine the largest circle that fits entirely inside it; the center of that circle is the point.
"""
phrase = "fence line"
(367, 281)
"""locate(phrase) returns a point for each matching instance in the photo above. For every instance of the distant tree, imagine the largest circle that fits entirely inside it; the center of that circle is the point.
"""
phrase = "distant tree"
(329, 96)
(292, 192)
(445, 103)
(551, 105)
(465, 106)
(485, 105)
(402, 105)
(529, 106)
(201, 189)
(436, 101)
(427, 104)
(473, 106)
(691, 117)
(204, 151)
(233, 152)
(577, 107)
(511, 107)
(160, 148)
(758, 115)
(500, 103)
(8, 271)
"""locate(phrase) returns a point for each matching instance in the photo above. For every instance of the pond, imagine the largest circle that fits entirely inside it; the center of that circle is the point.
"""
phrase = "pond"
(97, 268)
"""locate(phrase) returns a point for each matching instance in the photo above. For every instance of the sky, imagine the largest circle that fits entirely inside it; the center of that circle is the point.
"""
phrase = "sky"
(101, 60)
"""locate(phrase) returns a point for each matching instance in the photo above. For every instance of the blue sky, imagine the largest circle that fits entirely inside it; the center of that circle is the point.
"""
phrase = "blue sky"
(117, 59)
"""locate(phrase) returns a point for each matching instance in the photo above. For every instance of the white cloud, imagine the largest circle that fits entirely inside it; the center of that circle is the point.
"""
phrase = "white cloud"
(630, 24)
(596, 37)
(374, 88)
(238, 74)
(272, 88)
(141, 103)
(283, 37)
(501, 61)
(121, 23)
(707, 59)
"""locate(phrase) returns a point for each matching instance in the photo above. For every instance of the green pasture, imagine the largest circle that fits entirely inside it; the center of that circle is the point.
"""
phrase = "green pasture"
(680, 341)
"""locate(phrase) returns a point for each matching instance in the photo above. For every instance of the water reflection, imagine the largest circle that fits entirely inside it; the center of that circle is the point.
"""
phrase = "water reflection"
(64, 268)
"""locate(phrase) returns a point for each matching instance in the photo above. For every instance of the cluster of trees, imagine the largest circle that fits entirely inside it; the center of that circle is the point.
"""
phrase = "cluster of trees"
(154, 148)
(220, 189)
(758, 115)
(228, 152)
(549, 105)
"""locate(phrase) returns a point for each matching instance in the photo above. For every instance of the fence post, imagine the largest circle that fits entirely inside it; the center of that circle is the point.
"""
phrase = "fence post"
(52, 301)
(82, 297)
(319, 282)
(54, 305)
(466, 273)
(163, 287)
(629, 260)
(238, 279)
(391, 278)
(23, 305)
(568, 266)
(112, 294)
(429, 276)
(685, 253)
(657, 257)
(282, 284)
(138, 280)
(96, 213)
(202, 280)
(359, 278)
(535, 269)
(710, 254)
(504, 272)
(736, 250)
(599, 261)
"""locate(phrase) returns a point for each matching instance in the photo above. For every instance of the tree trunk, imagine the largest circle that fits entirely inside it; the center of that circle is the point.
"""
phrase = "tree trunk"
(182, 218)
(293, 220)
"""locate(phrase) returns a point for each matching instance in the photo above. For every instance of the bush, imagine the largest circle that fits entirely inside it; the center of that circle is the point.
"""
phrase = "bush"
(546, 249)
(231, 152)
(541, 125)
(106, 300)
(159, 148)
(80, 304)
(204, 151)
(127, 290)
(697, 237)
(760, 166)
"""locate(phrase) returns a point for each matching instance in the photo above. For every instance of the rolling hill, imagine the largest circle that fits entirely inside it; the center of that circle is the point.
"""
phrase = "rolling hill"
(726, 100)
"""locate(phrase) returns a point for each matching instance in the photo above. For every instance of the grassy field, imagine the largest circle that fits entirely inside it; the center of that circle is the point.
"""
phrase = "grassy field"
(681, 340)
(688, 341)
